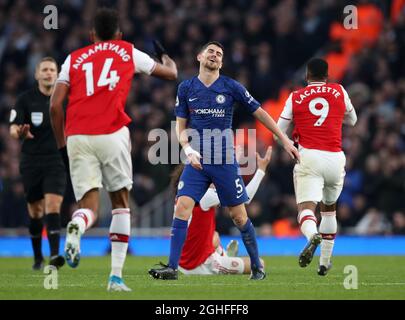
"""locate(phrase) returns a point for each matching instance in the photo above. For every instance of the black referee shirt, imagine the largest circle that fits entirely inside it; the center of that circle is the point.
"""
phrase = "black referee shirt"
(32, 107)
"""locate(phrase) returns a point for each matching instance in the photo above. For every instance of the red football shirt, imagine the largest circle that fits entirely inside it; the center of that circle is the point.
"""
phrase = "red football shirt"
(198, 245)
(100, 78)
(317, 112)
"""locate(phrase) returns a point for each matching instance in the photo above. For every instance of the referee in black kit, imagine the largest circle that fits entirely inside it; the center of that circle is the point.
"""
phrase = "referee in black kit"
(41, 165)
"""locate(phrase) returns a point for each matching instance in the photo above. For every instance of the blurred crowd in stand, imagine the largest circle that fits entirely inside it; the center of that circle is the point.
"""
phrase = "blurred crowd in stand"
(266, 46)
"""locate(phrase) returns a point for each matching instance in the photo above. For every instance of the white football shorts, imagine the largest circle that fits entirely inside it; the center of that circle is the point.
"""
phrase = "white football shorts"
(319, 176)
(98, 161)
(217, 264)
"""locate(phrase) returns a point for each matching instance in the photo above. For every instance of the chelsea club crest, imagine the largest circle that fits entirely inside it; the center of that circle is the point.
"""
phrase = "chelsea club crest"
(220, 98)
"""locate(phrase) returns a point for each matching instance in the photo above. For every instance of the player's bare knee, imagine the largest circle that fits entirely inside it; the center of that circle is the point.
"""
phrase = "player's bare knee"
(36, 214)
(36, 209)
(183, 210)
(53, 206)
(239, 220)
(53, 202)
(238, 215)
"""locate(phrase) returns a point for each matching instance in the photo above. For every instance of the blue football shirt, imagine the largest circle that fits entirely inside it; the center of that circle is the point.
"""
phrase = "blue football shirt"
(209, 111)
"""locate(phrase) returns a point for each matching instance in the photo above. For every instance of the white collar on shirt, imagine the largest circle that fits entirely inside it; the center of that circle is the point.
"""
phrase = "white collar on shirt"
(316, 83)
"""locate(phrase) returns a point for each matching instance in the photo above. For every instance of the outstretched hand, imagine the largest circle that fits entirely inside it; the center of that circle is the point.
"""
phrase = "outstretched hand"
(24, 132)
(262, 163)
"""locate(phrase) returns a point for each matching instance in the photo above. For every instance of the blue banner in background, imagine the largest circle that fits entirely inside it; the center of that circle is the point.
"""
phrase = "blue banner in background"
(268, 246)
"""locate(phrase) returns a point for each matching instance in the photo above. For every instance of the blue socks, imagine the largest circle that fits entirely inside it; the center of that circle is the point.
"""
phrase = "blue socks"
(178, 237)
(249, 239)
(179, 233)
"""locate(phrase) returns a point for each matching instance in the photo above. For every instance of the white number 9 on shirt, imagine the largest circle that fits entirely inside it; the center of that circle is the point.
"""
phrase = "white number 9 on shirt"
(323, 112)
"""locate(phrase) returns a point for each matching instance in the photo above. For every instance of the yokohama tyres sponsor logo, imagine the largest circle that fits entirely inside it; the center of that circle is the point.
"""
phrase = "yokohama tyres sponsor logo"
(215, 113)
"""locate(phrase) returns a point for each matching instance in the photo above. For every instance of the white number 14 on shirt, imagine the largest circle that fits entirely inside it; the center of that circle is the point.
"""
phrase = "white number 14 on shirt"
(107, 77)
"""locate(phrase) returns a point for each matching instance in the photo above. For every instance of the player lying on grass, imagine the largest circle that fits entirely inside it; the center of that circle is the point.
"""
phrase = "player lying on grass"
(202, 253)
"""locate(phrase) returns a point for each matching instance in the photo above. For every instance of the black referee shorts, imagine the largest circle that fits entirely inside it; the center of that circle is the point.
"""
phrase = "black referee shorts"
(42, 174)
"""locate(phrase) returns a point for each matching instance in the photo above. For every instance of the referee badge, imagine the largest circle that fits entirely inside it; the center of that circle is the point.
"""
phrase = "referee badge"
(37, 118)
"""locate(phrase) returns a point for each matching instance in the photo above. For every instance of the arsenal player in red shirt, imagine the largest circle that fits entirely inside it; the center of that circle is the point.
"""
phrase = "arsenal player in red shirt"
(96, 79)
(318, 112)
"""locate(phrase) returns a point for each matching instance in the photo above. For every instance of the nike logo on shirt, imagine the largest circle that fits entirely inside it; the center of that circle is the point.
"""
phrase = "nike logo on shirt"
(192, 99)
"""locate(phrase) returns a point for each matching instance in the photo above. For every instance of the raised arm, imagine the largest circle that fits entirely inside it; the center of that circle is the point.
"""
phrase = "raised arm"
(165, 70)
(262, 164)
(270, 124)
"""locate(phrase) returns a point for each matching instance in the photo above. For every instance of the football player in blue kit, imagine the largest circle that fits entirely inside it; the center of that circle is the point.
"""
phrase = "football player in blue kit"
(205, 104)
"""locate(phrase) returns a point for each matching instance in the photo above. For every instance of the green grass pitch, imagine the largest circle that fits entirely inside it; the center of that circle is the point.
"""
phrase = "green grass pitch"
(378, 278)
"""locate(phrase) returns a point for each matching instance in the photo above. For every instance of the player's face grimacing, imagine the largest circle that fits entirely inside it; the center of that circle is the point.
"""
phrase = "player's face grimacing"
(211, 57)
(46, 74)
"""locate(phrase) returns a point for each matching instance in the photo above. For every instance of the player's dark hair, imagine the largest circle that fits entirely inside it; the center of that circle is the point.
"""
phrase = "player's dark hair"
(317, 69)
(175, 176)
(50, 59)
(106, 23)
(218, 44)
